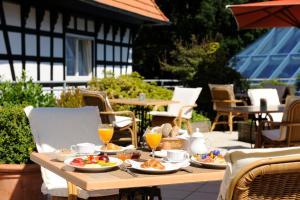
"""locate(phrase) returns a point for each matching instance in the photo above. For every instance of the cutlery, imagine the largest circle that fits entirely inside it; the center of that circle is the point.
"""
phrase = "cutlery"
(125, 169)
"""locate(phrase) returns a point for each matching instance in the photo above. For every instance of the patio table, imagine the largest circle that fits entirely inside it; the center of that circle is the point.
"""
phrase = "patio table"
(120, 179)
(254, 110)
(142, 108)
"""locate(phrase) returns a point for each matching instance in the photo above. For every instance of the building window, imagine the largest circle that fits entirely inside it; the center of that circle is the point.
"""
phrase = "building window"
(78, 56)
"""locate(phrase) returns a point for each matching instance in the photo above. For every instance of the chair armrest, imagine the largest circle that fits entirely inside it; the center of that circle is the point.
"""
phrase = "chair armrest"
(229, 101)
(184, 107)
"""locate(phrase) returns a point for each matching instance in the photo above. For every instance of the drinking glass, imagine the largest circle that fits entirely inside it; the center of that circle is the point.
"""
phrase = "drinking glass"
(153, 138)
(105, 133)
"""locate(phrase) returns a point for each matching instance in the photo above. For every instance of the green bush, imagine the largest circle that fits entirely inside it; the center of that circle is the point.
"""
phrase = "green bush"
(71, 98)
(16, 141)
(24, 92)
(129, 86)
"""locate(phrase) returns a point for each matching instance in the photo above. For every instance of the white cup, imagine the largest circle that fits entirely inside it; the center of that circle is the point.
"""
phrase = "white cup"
(84, 148)
(177, 155)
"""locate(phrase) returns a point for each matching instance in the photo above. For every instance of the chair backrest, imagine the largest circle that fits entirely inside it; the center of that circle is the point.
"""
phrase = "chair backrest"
(259, 173)
(269, 94)
(222, 92)
(185, 96)
(291, 115)
(56, 128)
(99, 99)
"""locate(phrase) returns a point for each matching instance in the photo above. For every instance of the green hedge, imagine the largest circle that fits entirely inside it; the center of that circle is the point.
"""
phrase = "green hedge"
(16, 141)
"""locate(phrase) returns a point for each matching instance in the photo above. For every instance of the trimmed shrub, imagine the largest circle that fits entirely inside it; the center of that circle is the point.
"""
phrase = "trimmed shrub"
(16, 141)
(70, 99)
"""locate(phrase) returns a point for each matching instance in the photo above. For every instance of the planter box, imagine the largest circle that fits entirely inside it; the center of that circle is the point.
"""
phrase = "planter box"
(244, 132)
(20, 182)
(204, 126)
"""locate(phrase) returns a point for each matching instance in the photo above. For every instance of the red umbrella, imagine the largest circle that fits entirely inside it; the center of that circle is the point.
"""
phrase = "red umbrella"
(279, 13)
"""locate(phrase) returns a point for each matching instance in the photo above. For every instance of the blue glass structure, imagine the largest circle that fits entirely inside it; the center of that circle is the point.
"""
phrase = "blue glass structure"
(275, 55)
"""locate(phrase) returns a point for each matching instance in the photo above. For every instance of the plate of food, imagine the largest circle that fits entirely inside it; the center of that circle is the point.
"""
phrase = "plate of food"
(213, 159)
(93, 163)
(111, 148)
(156, 167)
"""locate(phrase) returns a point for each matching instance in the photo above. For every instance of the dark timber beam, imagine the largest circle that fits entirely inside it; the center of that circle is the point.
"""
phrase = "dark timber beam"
(6, 41)
(40, 13)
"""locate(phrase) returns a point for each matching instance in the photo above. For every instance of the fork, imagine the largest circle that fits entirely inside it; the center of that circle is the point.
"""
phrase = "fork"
(125, 169)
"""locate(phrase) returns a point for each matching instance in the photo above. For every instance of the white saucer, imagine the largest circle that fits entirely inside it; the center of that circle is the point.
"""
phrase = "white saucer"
(169, 161)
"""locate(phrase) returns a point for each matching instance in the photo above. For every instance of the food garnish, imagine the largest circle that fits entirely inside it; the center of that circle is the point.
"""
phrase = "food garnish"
(214, 156)
(92, 161)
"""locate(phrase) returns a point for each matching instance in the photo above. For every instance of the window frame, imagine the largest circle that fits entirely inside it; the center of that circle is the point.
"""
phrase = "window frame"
(78, 77)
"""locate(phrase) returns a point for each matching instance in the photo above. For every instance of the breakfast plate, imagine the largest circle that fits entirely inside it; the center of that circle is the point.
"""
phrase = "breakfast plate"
(169, 167)
(214, 164)
(166, 160)
(84, 163)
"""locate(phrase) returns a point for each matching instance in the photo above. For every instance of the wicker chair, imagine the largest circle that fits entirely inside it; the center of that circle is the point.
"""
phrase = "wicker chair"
(123, 121)
(223, 96)
(288, 133)
(270, 178)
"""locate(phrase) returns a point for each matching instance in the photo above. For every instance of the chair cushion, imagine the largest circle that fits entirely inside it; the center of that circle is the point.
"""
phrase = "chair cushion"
(185, 96)
(162, 113)
(122, 121)
(273, 134)
(237, 159)
(270, 95)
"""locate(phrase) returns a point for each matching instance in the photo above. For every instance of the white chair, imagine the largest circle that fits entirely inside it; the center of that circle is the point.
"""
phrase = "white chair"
(258, 173)
(271, 97)
(56, 128)
(177, 112)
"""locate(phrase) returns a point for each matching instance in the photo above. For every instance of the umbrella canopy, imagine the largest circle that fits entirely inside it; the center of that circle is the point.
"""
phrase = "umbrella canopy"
(278, 13)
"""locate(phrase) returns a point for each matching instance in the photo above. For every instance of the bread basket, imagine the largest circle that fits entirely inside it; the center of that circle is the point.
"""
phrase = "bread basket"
(172, 143)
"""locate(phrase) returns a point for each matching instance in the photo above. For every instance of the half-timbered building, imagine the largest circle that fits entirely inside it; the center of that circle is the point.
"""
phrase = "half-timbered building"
(64, 41)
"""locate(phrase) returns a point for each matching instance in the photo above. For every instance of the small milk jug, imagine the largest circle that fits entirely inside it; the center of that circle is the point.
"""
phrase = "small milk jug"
(197, 143)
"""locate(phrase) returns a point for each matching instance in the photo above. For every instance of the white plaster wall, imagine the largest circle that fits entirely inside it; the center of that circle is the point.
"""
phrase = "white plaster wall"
(124, 54)
(90, 26)
(123, 69)
(109, 53)
(12, 13)
(71, 23)
(117, 71)
(5, 73)
(45, 25)
(109, 35)
(109, 70)
(58, 47)
(15, 42)
(18, 69)
(80, 23)
(45, 46)
(100, 71)
(100, 50)
(101, 32)
(31, 70)
(58, 28)
(2, 44)
(126, 36)
(58, 71)
(117, 53)
(30, 45)
(31, 22)
(129, 69)
(118, 36)
(45, 71)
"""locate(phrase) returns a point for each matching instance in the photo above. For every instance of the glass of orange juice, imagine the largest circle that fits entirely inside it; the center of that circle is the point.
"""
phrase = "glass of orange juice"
(105, 133)
(153, 138)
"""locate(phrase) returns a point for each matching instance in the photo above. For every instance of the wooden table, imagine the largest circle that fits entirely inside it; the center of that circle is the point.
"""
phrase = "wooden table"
(256, 111)
(141, 108)
(119, 179)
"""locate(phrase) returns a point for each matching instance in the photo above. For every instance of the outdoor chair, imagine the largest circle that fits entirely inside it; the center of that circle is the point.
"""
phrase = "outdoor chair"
(271, 97)
(58, 128)
(288, 133)
(261, 174)
(223, 97)
(123, 121)
(178, 112)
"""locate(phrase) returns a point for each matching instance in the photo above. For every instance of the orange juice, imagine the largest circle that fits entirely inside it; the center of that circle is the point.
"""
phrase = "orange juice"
(153, 139)
(105, 134)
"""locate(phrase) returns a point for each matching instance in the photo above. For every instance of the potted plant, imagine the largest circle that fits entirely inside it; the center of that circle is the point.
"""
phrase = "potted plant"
(20, 179)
